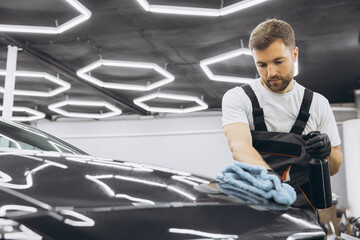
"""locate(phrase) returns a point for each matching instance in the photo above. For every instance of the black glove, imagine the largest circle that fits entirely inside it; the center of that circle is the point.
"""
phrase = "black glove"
(272, 172)
(317, 144)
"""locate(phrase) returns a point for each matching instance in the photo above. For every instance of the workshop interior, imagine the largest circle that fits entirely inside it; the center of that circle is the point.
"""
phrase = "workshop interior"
(119, 102)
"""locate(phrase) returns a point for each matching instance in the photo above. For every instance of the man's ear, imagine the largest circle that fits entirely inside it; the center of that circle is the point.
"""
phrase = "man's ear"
(296, 54)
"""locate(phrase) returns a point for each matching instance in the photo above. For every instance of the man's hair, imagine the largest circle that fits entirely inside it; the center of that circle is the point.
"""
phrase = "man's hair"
(269, 31)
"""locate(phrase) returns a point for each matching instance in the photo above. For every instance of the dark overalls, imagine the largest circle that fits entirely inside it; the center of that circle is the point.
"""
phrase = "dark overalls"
(285, 152)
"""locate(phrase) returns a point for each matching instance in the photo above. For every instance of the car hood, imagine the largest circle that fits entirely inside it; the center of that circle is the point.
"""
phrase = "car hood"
(63, 196)
(84, 181)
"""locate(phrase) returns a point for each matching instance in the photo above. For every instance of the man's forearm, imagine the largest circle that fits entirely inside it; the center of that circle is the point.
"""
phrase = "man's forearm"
(247, 154)
(335, 159)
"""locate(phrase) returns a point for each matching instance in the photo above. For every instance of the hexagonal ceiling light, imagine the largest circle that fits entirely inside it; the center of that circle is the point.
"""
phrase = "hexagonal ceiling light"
(35, 115)
(83, 73)
(222, 57)
(114, 111)
(140, 102)
(63, 85)
(198, 11)
(84, 15)
(204, 64)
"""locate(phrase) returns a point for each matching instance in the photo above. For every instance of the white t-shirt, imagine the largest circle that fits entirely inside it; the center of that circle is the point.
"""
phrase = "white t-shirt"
(280, 110)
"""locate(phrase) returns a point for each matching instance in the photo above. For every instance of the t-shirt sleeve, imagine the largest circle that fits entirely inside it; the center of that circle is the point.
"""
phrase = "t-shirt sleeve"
(234, 108)
(328, 123)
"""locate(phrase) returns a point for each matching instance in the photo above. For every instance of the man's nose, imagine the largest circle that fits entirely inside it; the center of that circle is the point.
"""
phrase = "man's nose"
(271, 71)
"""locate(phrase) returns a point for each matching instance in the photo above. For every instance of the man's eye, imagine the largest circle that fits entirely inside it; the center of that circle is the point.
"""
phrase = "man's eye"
(279, 62)
(262, 65)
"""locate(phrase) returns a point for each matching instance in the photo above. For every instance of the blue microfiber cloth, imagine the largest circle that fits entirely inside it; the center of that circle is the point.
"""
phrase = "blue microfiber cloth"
(250, 198)
(255, 180)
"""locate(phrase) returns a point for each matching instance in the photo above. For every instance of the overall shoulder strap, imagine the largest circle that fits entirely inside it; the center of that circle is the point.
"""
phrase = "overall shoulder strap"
(304, 114)
(258, 113)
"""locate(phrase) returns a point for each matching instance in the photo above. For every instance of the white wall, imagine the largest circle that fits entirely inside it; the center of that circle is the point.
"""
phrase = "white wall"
(351, 130)
(194, 144)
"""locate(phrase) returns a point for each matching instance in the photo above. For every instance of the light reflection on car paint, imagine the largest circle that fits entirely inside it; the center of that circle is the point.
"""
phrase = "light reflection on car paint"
(173, 188)
(203, 234)
(5, 182)
(84, 220)
(297, 220)
(110, 192)
(11, 228)
(14, 230)
(189, 180)
(109, 163)
(167, 170)
(106, 163)
(4, 177)
(58, 147)
(307, 235)
(14, 208)
(21, 210)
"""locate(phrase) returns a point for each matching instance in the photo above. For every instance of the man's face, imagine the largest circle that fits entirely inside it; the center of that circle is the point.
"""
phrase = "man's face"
(275, 65)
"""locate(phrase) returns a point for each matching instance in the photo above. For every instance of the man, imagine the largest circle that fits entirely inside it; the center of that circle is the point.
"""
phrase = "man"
(266, 120)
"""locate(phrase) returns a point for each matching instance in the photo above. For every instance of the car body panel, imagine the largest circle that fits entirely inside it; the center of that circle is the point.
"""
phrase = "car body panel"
(71, 195)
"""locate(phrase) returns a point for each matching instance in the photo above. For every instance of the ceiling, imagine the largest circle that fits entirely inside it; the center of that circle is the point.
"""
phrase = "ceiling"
(327, 34)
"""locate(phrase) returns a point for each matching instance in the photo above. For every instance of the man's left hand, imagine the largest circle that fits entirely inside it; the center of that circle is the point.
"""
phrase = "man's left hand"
(317, 144)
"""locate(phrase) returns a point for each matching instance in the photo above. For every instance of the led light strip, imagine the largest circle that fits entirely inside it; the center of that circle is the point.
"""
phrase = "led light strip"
(56, 108)
(36, 115)
(222, 57)
(140, 102)
(204, 64)
(84, 15)
(208, 12)
(63, 85)
(83, 73)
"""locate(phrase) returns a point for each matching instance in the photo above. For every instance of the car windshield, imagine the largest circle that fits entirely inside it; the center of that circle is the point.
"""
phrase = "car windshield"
(22, 137)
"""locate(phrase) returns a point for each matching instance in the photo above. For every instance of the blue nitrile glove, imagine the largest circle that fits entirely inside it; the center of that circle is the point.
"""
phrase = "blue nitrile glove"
(317, 144)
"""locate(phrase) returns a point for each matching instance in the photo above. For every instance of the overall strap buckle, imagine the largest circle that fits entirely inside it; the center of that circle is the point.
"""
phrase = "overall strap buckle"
(258, 113)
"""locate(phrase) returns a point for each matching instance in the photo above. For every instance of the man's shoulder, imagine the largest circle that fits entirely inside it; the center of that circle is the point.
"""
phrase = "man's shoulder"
(238, 90)
(320, 98)
(234, 92)
(317, 97)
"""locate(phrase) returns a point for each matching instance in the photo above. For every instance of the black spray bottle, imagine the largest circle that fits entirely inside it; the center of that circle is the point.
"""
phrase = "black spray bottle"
(320, 187)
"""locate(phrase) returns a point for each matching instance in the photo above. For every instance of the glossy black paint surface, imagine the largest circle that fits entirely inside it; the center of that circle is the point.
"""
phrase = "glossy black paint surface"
(73, 196)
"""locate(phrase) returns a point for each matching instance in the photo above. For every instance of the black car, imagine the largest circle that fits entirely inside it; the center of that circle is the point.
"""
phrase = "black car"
(52, 190)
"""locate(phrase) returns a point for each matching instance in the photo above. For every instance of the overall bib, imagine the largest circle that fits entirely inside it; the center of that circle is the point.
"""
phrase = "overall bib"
(285, 152)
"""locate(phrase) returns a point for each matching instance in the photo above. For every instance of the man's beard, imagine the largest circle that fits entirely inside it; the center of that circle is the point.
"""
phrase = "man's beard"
(282, 84)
